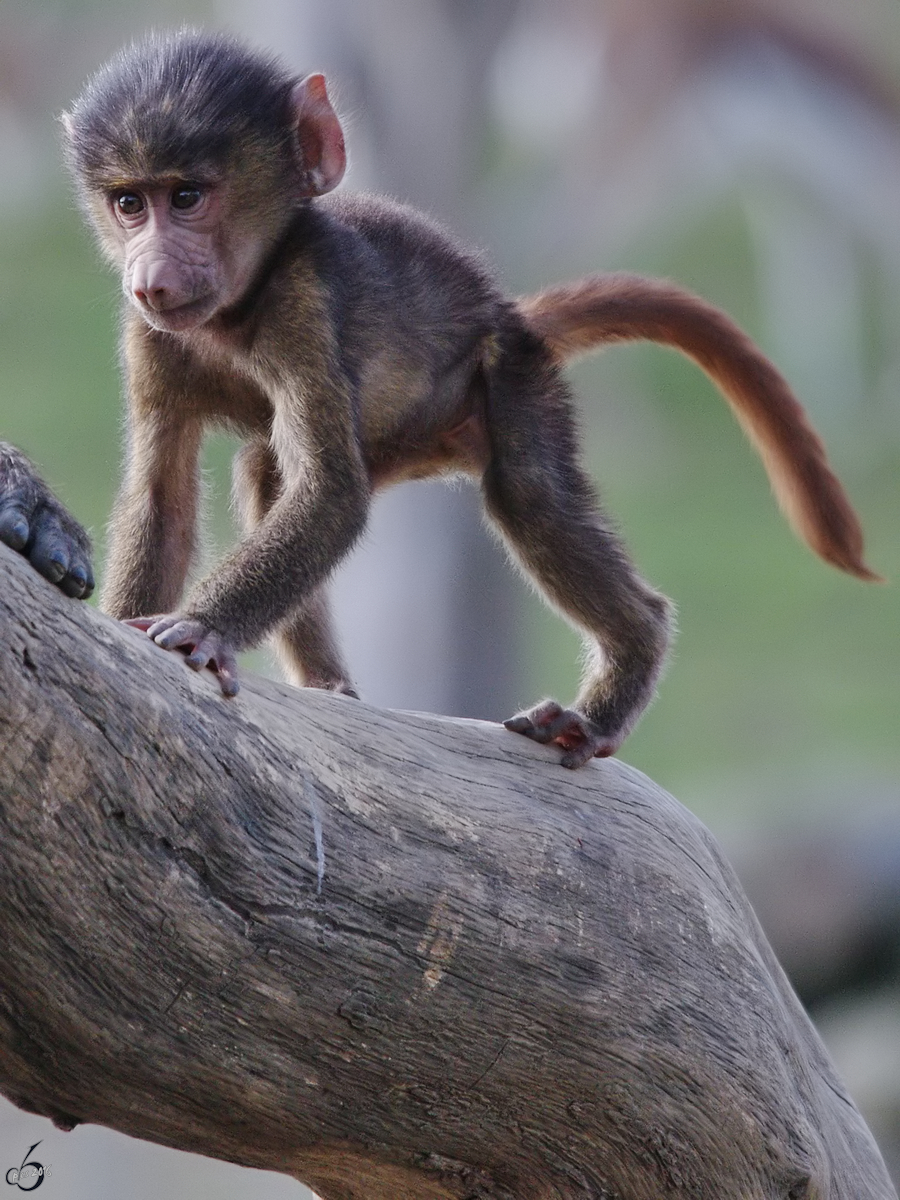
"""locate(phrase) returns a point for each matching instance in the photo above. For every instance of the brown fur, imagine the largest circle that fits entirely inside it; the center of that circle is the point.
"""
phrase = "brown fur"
(577, 317)
(353, 344)
(307, 643)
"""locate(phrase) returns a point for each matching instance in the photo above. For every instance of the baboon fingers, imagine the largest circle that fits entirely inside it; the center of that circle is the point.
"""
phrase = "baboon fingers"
(203, 646)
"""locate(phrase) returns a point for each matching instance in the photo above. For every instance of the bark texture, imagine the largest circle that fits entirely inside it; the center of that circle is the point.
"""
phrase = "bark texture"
(398, 957)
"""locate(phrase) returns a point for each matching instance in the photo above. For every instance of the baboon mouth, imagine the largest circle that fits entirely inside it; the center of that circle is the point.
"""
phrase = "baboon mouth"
(182, 316)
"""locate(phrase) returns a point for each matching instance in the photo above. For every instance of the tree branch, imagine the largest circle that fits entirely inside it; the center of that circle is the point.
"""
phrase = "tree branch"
(393, 955)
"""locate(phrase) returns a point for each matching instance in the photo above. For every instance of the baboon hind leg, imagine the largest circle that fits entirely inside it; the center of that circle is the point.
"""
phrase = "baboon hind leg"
(548, 513)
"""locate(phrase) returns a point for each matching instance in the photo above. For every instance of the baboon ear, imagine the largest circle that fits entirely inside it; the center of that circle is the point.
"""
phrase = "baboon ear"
(320, 139)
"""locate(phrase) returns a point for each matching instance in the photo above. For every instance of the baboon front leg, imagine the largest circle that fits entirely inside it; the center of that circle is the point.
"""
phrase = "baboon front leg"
(306, 644)
(308, 650)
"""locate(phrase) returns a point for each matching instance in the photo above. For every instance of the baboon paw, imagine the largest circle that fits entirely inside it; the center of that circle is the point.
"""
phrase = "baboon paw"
(579, 737)
(203, 646)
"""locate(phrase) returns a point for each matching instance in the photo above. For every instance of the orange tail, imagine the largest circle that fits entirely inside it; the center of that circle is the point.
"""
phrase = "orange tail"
(593, 312)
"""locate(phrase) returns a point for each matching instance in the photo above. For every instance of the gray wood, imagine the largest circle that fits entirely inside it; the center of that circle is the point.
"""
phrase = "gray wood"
(394, 955)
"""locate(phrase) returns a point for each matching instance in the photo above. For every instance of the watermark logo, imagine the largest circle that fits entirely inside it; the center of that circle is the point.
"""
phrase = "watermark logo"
(29, 1175)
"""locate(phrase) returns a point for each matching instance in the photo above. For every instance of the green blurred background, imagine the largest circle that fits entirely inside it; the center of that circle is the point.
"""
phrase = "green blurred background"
(749, 150)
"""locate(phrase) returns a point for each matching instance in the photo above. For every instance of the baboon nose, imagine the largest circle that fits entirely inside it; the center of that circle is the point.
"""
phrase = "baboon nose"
(155, 298)
(156, 285)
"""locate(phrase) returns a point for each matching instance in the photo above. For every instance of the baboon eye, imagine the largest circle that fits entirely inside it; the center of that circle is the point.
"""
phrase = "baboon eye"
(186, 196)
(129, 203)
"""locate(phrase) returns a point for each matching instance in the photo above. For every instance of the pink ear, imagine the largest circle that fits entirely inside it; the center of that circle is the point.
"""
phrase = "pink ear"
(320, 138)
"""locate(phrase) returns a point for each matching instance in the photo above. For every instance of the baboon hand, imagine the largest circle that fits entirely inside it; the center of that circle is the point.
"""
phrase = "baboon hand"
(205, 647)
(34, 522)
(573, 731)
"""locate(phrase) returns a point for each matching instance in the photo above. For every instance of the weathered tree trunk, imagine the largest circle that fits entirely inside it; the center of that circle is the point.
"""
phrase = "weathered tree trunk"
(392, 955)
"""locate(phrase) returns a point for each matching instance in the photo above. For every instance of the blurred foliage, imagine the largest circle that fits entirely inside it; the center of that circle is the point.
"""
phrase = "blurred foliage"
(58, 385)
